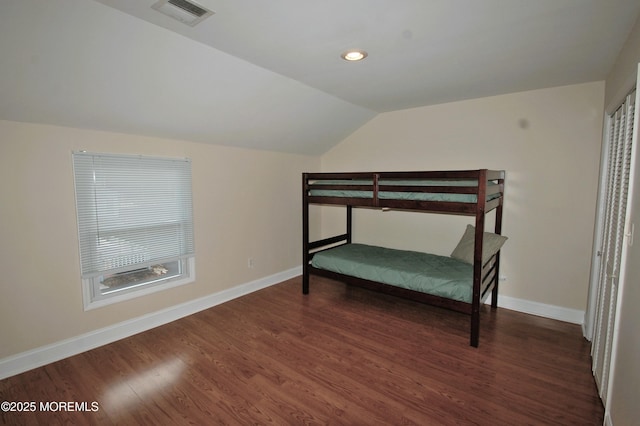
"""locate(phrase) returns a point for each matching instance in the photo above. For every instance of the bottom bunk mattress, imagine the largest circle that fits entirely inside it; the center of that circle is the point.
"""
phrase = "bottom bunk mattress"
(427, 273)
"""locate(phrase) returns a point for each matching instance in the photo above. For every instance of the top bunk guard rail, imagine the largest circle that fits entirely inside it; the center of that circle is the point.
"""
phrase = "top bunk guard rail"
(455, 192)
(451, 174)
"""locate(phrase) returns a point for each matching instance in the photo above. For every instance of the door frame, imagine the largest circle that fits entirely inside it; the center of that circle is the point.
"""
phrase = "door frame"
(596, 258)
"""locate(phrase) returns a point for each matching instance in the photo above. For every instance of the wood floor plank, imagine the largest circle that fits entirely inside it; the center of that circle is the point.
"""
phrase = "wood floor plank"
(340, 355)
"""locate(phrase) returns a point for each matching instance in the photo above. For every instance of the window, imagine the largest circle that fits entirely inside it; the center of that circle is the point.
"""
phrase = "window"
(135, 225)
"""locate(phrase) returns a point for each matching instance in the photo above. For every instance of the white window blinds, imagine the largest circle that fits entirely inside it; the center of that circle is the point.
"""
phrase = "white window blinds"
(133, 211)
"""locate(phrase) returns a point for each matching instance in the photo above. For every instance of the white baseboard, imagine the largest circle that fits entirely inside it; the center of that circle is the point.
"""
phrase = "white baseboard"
(38, 357)
(559, 313)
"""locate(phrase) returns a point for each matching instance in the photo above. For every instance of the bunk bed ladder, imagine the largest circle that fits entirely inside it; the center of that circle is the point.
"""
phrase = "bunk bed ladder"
(307, 246)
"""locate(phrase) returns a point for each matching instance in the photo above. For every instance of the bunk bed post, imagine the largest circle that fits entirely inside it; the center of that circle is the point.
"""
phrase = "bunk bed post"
(498, 230)
(349, 223)
(477, 257)
(305, 235)
(376, 188)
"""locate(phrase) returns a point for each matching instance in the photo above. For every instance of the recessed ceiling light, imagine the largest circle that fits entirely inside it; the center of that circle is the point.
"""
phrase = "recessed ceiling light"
(354, 55)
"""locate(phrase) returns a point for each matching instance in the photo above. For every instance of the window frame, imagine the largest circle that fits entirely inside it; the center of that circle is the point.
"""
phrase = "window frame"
(90, 286)
(94, 294)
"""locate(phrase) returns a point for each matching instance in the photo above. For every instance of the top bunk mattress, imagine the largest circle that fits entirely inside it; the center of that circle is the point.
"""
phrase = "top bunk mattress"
(427, 273)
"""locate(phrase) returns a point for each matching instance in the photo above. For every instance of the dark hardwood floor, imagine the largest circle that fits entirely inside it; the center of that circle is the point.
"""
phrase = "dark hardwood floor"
(340, 355)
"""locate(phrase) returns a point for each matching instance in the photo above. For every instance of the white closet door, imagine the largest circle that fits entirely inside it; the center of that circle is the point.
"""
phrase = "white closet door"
(619, 153)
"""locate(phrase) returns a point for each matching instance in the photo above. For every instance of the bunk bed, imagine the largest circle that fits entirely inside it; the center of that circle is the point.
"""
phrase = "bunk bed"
(461, 282)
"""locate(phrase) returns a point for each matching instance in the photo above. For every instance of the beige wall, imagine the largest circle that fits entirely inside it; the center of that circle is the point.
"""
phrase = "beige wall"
(548, 141)
(246, 203)
(622, 77)
(622, 406)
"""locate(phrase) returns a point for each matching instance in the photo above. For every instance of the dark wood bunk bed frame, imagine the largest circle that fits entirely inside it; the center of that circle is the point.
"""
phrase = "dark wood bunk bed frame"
(485, 277)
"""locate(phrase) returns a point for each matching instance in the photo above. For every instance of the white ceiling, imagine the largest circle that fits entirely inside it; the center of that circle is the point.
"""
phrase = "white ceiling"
(268, 75)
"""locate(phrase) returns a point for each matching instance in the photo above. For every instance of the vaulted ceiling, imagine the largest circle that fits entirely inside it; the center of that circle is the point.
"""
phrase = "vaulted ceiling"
(268, 75)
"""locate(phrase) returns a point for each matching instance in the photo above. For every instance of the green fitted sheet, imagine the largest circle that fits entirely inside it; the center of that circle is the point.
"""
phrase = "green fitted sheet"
(427, 273)
(399, 195)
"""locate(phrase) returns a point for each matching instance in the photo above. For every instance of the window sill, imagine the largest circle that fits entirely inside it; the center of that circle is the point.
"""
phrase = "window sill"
(90, 302)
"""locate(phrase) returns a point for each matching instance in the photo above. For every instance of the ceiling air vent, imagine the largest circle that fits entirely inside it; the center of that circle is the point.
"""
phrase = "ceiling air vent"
(184, 11)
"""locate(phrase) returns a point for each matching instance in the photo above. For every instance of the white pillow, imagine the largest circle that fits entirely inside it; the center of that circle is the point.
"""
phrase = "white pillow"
(491, 243)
